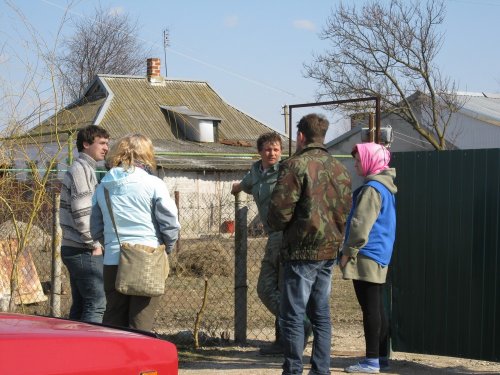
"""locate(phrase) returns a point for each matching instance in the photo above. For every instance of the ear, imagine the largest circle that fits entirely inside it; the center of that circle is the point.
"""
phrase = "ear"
(300, 136)
(86, 145)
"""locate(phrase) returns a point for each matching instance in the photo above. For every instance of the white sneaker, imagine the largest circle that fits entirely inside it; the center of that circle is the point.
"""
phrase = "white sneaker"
(362, 368)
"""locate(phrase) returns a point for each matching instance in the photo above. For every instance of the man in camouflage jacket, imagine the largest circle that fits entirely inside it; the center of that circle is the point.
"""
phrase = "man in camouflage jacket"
(309, 204)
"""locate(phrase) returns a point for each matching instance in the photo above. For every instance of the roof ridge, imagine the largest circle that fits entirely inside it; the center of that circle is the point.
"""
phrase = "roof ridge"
(103, 75)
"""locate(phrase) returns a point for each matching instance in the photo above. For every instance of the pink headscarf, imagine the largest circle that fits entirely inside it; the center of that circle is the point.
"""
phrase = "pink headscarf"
(374, 157)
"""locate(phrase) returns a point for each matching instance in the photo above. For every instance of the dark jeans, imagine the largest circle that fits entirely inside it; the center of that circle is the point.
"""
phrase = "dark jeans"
(306, 289)
(127, 311)
(374, 318)
(87, 287)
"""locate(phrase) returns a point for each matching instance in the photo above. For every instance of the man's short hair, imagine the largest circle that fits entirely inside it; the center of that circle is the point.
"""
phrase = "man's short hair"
(271, 137)
(88, 133)
(314, 127)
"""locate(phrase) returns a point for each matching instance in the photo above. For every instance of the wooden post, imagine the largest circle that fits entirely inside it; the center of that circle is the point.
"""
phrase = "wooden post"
(55, 289)
(371, 128)
(286, 113)
(240, 272)
(177, 200)
(378, 120)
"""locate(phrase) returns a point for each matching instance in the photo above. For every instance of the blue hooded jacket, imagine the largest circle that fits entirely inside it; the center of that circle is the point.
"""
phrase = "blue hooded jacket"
(137, 197)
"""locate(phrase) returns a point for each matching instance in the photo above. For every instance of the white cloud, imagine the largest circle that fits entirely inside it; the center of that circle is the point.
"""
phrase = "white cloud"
(231, 21)
(304, 24)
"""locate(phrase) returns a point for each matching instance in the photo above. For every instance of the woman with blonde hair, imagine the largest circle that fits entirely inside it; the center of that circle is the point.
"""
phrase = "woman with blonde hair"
(143, 213)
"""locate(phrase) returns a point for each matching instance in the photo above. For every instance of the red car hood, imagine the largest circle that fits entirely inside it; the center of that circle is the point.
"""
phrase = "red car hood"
(42, 346)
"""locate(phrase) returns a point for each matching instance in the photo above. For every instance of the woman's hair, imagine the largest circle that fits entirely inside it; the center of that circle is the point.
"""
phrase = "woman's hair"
(132, 149)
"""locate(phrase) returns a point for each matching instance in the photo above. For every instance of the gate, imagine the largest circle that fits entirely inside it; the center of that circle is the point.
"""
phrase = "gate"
(446, 265)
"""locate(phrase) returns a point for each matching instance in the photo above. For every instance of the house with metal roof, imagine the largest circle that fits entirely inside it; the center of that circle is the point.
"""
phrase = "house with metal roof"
(191, 126)
(475, 125)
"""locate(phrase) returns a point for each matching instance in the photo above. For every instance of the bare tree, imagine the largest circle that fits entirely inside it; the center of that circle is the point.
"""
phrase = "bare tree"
(105, 43)
(29, 161)
(389, 50)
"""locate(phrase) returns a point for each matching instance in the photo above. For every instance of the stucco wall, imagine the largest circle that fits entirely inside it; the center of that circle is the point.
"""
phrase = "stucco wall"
(205, 200)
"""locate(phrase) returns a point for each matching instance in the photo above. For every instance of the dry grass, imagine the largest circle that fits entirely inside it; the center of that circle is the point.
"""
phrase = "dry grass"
(215, 257)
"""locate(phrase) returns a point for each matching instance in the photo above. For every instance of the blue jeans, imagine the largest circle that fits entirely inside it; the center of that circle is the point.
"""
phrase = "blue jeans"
(87, 285)
(306, 290)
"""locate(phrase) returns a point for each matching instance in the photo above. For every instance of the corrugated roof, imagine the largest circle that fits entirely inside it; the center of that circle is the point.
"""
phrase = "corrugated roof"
(75, 116)
(482, 108)
(133, 105)
(204, 163)
(183, 155)
(136, 107)
(129, 104)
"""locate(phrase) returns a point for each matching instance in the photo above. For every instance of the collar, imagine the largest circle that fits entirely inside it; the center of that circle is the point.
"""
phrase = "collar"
(274, 167)
(312, 146)
(90, 160)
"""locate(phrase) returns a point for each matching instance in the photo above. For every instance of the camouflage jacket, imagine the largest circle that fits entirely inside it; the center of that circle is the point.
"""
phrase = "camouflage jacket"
(310, 204)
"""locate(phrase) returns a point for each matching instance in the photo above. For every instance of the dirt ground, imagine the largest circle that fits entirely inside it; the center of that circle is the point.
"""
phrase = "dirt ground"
(348, 348)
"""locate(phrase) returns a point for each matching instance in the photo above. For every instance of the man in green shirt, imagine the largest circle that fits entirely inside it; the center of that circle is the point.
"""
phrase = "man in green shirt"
(260, 182)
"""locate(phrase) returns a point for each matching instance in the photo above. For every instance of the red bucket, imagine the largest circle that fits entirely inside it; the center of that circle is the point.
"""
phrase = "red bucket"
(228, 226)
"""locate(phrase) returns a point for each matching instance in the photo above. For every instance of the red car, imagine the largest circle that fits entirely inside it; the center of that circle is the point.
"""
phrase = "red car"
(38, 345)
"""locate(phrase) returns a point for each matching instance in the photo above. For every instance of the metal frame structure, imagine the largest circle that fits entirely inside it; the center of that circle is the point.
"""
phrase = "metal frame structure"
(334, 102)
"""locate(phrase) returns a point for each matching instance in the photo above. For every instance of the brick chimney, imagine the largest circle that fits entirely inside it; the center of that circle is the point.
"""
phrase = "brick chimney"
(153, 70)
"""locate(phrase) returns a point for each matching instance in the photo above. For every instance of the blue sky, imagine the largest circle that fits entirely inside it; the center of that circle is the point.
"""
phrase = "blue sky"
(252, 52)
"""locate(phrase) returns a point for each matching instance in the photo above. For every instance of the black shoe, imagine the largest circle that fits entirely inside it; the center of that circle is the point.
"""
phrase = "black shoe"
(276, 348)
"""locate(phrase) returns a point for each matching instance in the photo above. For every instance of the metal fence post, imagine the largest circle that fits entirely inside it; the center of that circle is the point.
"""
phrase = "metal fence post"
(55, 290)
(240, 272)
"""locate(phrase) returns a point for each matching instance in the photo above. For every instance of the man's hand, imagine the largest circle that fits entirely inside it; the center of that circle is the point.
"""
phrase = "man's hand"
(236, 188)
(97, 251)
(343, 260)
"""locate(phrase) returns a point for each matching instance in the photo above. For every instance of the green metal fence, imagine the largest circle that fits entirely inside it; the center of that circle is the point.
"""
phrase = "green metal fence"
(446, 265)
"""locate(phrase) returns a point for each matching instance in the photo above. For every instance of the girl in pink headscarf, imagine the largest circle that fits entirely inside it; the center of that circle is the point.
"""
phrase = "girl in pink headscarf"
(367, 249)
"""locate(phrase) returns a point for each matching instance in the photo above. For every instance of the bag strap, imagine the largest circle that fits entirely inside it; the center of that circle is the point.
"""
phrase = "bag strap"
(155, 222)
(110, 209)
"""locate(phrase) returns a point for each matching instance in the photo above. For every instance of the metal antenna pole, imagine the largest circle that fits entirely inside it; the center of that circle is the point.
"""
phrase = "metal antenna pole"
(166, 43)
